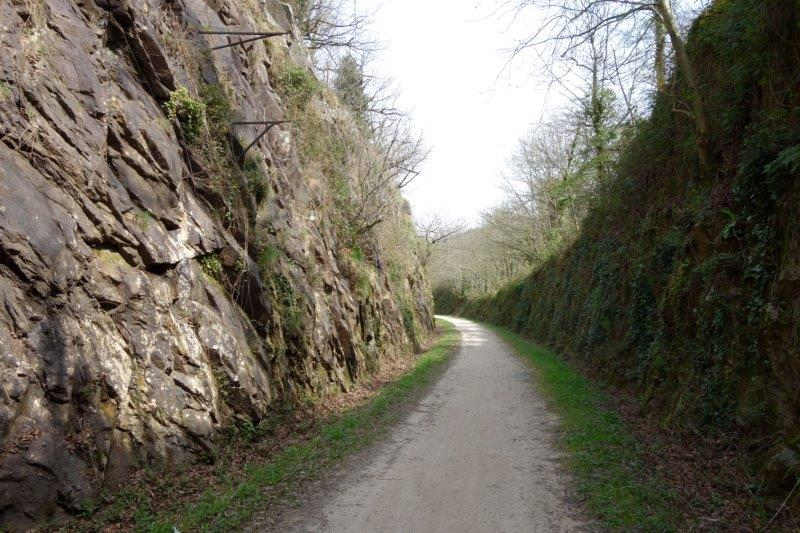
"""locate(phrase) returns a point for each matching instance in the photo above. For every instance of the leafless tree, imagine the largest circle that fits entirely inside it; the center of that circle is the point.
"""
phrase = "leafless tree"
(434, 231)
(571, 25)
(390, 153)
(332, 28)
(391, 162)
(472, 263)
(551, 181)
(372, 99)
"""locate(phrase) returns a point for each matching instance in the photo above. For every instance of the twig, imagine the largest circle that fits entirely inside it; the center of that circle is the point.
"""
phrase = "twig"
(785, 501)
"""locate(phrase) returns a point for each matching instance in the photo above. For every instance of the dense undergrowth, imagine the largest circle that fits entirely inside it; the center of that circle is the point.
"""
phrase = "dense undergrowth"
(682, 286)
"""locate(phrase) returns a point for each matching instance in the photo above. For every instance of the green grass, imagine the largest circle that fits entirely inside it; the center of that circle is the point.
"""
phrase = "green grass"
(603, 455)
(233, 503)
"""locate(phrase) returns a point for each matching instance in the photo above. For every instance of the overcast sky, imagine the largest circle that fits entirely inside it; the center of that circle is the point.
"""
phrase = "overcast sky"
(447, 59)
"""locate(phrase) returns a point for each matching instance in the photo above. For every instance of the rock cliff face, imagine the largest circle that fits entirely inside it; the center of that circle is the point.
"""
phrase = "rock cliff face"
(136, 319)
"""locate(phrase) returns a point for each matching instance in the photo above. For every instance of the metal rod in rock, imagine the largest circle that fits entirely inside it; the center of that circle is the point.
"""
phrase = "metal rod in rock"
(269, 126)
(245, 41)
(259, 122)
(226, 32)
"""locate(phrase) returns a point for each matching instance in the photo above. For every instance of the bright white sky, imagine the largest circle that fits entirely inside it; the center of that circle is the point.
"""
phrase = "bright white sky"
(447, 58)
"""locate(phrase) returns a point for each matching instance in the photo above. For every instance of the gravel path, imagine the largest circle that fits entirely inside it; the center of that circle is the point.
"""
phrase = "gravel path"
(476, 454)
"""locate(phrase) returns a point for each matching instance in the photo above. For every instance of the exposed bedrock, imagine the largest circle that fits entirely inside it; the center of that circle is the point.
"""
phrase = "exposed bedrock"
(118, 348)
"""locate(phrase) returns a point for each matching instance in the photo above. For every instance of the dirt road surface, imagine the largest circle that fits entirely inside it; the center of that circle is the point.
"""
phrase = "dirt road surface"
(476, 454)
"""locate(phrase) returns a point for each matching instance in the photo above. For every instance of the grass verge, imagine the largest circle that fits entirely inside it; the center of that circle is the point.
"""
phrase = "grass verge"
(604, 456)
(236, 491)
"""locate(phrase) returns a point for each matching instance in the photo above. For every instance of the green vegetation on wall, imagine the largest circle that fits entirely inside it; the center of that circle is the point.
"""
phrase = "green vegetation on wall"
(273, 283)
(189, 112)
(683, 286)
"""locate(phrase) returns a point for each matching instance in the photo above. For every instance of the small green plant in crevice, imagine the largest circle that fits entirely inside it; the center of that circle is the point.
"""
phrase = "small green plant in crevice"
(86, 508)
(253, 432)
(86, 392)
(249, 430)
(5, 92)
(357, 254)
(212, 266)
(267, 259)
(35, 31)
(360, 275)
(410, 325)
(218, 111)
(298, 85)
(256, 180)
(289, 304)
(144, 219)
(224, 384)
(363, 284)
(189, 112)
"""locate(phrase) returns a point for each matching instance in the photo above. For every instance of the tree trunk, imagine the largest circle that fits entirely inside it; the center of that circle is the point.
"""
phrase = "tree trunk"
(597, 114)
(686, 67)
(660, 59)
